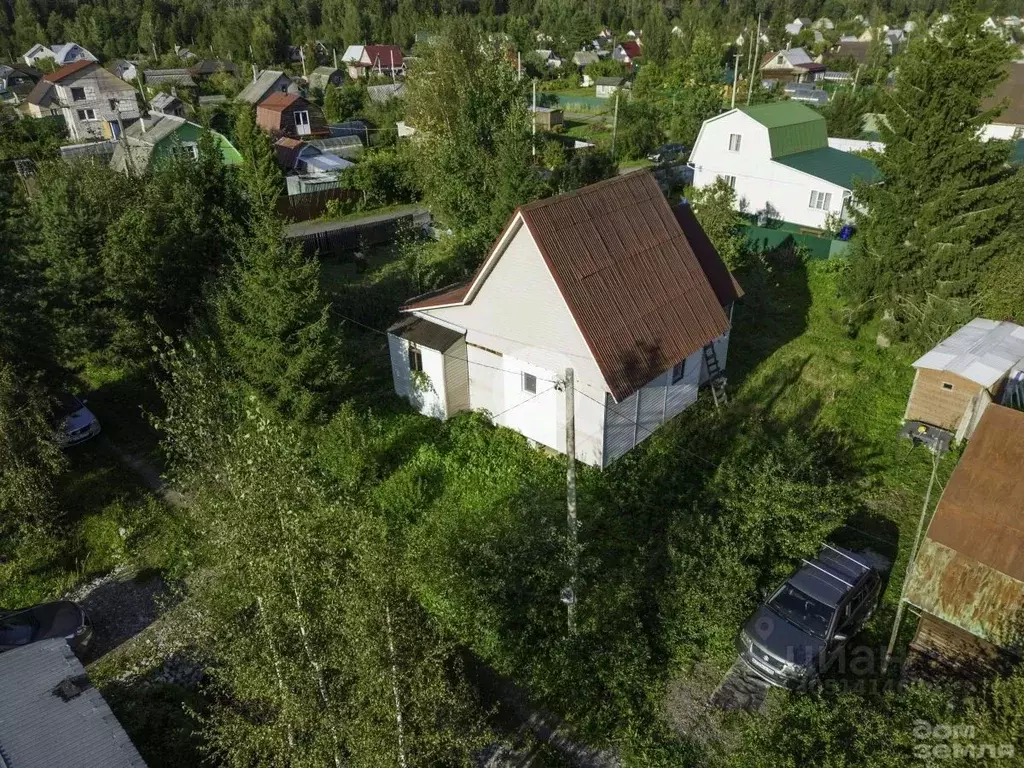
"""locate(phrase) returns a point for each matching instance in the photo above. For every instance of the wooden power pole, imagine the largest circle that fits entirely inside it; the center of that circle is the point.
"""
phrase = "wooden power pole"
(615, 122)
(569, 593)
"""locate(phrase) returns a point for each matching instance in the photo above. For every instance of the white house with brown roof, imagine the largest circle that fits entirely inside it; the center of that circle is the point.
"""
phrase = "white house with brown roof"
(608, 280)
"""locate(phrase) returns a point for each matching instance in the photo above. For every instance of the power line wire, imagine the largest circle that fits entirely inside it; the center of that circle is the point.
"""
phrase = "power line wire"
(446, 354)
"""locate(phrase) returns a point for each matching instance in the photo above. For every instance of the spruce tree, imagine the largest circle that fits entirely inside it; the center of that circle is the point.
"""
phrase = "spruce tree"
(274, 323)
(262, 182)
(949, 203)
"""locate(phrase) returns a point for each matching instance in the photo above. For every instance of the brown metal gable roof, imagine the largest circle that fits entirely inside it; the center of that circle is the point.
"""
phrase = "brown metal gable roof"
(629, 274)
(69, 69)
(981, 513)
(722, 281)
(629, 277)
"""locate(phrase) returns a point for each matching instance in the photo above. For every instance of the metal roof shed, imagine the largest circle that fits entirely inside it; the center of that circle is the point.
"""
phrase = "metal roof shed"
(963, 373)
(50, 715)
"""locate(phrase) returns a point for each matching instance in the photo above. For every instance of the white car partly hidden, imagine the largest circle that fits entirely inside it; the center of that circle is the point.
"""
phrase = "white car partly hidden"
(75, 422)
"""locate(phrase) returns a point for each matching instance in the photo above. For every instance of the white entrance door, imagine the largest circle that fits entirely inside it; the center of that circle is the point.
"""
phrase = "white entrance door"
(302, 123)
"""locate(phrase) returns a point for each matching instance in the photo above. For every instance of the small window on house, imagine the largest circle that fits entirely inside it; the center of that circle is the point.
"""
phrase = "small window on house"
(113, 105)
(415, 359)
(734, 142)
(529, 383)
(86, 114)
(678, 371)
(78, 94)
(188, 150)
(821, 201)
(730, 180)
(780, 60)
(946, 385)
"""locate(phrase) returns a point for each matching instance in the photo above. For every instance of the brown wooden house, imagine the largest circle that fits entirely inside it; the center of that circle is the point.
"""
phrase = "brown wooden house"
(286, 114)
(968, 578)
(979, 364)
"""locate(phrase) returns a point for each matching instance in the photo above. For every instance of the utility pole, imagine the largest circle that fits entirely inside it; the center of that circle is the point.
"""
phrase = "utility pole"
(533, 141)
(615, 122)
(910, 567)
(856, 78)
(735, 76)
(753, 63)
(335, 51)
(519, 65)
(569, 593)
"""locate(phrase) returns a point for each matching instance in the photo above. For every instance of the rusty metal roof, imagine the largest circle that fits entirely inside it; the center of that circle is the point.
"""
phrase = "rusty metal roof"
(981, 513)
(970, 570)
(629, 276)
(722, 282)
(69, 69)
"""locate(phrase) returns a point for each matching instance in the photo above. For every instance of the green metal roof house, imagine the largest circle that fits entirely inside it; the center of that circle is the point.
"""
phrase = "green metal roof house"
(778, 159)
(157, 136)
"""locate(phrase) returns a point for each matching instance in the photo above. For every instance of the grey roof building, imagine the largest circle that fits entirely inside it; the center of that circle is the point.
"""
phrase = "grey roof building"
(180, 77)
(380, 94)
(267, 82)
(50, 715)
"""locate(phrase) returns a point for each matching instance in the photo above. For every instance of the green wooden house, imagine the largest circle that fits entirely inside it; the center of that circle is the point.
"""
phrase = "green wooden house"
(157, 136)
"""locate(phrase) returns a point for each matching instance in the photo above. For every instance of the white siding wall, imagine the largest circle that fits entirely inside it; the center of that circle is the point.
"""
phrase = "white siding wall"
(759, 180)
(520, 314)
(722, 350)
(632, 421)
(429, 400)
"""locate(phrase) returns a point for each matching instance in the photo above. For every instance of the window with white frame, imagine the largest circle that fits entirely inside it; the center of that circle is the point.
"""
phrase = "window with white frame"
(730, 180)
(529, 383)
(415, 359)
(187, 149)
(302, 122)
(734, 142)
(87, 114)
(678, 371)
(821, 201)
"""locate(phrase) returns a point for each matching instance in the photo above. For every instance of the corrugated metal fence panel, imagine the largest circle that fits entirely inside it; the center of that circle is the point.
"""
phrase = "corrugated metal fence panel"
(651, 412)
(456, 376)
(619, 427)
(399, 364)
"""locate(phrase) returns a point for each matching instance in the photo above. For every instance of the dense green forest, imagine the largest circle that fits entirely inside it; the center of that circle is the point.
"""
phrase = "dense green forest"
(261, 31)
(357, 584)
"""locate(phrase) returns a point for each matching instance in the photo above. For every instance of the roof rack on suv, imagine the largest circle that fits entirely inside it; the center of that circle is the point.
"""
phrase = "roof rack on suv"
(826, 572)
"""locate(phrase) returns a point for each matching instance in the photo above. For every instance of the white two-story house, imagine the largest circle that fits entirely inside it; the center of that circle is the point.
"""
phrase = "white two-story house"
(608, 280)
(777, 158)
(95, 103)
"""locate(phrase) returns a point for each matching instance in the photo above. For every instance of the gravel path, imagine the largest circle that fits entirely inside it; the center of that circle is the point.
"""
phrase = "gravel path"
(120, 605)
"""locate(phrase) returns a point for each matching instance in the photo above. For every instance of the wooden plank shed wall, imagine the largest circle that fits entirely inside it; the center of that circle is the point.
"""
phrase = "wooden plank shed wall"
(933, 404)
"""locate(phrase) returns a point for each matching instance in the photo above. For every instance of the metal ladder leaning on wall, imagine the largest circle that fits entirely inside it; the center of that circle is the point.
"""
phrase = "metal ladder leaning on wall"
(716, 379)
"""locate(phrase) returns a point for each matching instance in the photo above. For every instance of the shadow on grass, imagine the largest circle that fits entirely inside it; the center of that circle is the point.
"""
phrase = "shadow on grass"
(773, 311)
(156, 717)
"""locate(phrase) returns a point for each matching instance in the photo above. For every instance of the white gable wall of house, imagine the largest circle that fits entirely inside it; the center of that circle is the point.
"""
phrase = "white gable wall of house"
(757, 179)
(519, 323)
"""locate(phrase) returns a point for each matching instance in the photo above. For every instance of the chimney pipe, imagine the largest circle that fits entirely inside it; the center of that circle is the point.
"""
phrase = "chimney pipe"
(254, 72)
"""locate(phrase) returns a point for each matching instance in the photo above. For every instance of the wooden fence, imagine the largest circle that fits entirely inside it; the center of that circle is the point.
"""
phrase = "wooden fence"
(312, 205)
